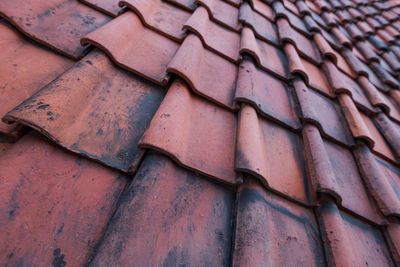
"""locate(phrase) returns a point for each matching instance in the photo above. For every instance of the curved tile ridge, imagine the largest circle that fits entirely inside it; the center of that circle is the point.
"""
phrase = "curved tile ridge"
(261, 146)
(338, 246)
(195, 133)
(295, 64)
(272, 231)
(268, 57)
(24, 69)
(320, 170)
(134, 47)
(94, 109)
(262, 27)
(269, 96)
(377, 182)
(296, 22)
(218, 39)
(354, 120)
(160, 16)
(222, 13)
(323, 113)
(263, 8)
(341, 83)
(208, 74)
(304, 46)
(390, 131)
(108, 7)
(188, 5)
(58, 24)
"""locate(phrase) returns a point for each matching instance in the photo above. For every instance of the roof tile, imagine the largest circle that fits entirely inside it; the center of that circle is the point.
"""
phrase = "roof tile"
(109, 8)
(165, 216)
(140, 51)
(270, 96)
(208, 131)
(269, 223)
(55, 204)
(160, 16)
(103, 120)
(24, 68)
(261, 145)
(58, 24)
(222, 12)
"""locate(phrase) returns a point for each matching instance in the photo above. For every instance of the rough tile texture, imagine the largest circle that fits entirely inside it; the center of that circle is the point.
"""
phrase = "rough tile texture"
(200, 133)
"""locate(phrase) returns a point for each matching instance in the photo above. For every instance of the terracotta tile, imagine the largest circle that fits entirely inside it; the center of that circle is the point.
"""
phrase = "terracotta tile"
(263, 28)
(294, 62)
(344, 16)
(185, 4)
(355, 63)
(343, 39)
(381, 179)
(355, 13)
(94, 109)
(389, 106)
(303, 8)
(208, 74)
(384, 76)
(324, 113)
(292, 7)
(166, 216)
(270, 96)
(373, 78)
(55, 205)
(393, 237)
(160, 16)
(392, 60)
(367, 51)
(218, 39)
(296, 22)
(109, 8)
(263, 9)
(222, 13)
(24, 69)
(273, 231)
(332, 40)
(304, 46)
(261, 146)
(340, 82)
(268, 57)
(134, 47)
(377, 42)
(58, 24)
(365, 27)
(313, 6)
(325, 49)
(333, 171)
(330, 19)
(390, 131)
(317, 79)
(195, 133)
(390, 15)
(355, 120)
(349, 241)
(311, 25)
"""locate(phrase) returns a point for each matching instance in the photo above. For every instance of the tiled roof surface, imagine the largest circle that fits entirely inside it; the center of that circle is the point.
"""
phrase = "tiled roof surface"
(200, 133)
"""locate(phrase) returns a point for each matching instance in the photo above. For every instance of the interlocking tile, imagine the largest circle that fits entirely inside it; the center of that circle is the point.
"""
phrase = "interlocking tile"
(261, 132)
(24, 69)
(273, 231)
(207, 130)
(54, 206)
(351, 242)
(270, 96)
(262, 27)
(261, 145)
(58, 24)
(222, 12)
(202, 70)
(217, 38)
(166, 216)
(268, 57)
(160, 16)
(142, 47)
(94, 109)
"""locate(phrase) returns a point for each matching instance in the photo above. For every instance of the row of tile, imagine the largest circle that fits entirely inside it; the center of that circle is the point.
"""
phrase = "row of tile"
(165, 216)
(126, 156)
